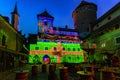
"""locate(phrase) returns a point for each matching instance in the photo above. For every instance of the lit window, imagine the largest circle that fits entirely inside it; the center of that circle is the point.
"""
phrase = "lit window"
(46, 48)
(55, 48)
(69, 57)
(73, 49)
(78, 49)
(63, 48)
(103, 45)
(36, 48)
(68, 49)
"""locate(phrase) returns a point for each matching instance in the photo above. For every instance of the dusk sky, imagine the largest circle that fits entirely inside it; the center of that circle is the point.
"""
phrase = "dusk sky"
(61, 10)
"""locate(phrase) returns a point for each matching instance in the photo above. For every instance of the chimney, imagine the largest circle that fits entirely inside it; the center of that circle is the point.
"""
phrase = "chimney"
(6, 18)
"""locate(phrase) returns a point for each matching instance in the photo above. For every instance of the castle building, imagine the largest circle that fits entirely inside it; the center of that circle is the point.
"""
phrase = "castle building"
(12, 43)
(106, 34)
(54, 45)
(84, 16)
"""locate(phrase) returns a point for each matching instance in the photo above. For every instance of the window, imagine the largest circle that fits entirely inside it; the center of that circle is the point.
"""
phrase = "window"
(55, 48)
(63, 48)
(77, 11)
(109, 17)
(117, 40)
(73, 49)
(78, 49)
(68, 49)
(69, 57)
(36, 48)
(97, 25)
(103, 45)
(45, 23)
(116, 26)
(46, 48)
(3, 40)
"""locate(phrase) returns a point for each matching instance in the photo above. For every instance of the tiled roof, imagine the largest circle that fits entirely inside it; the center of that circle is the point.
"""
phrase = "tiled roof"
(45, 14)
(83, 3)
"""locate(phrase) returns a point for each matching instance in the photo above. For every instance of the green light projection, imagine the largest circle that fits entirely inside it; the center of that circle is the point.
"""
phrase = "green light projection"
(69, 58)
(3, 33)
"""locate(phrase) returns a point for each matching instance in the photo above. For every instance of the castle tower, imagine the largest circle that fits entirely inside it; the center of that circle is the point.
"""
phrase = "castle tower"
(84, 15)
(15, 17)
(45, 22)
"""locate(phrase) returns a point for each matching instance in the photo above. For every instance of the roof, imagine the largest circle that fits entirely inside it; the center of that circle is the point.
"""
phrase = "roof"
(15, 10)
(114, 21)
(109, 12)
(65, 29)
(45, 14)
(10, 26)
(83, 3)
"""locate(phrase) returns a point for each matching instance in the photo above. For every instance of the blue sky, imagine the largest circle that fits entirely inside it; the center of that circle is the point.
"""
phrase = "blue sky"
(61, 10)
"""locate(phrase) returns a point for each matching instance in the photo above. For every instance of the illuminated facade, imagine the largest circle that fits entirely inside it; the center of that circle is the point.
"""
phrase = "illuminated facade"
(45, 24)
(54, 45)
(12, 47)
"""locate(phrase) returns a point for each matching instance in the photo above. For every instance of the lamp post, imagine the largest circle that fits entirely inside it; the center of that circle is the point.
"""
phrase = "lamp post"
(88, 47)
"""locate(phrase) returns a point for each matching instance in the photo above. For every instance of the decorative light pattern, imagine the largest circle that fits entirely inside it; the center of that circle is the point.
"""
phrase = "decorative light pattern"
(74, 55)
(44, 24)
